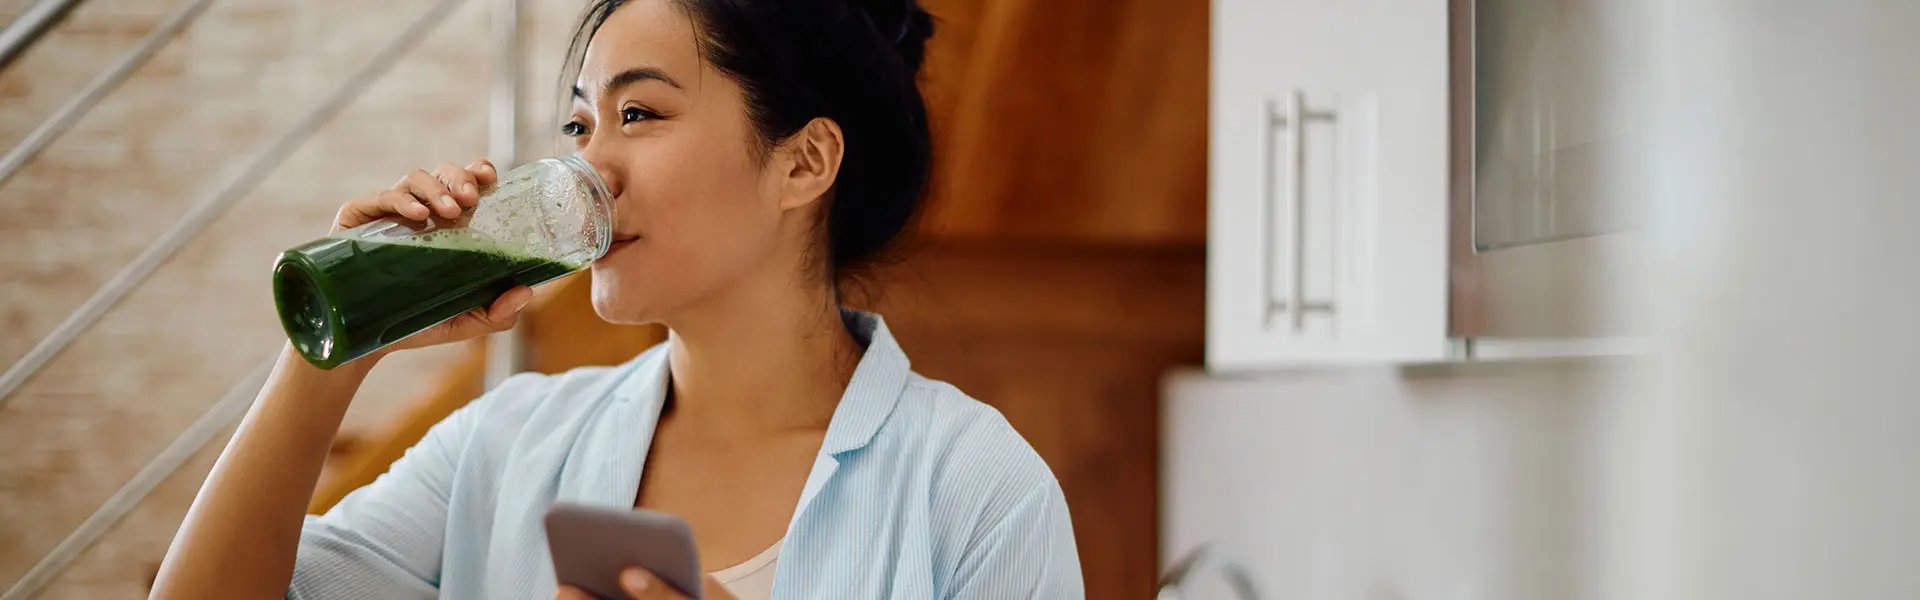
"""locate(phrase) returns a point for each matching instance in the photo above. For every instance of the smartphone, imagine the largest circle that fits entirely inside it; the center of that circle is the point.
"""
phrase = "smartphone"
(591, 544)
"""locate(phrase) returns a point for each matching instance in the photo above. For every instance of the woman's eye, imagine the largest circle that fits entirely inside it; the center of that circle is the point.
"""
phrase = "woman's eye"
(573, 129)
(634, 115)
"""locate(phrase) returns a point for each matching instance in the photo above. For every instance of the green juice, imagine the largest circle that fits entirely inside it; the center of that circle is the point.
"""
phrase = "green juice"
(340, 299)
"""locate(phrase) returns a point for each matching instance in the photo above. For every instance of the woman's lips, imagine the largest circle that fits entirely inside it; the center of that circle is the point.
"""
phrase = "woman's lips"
(618, 243)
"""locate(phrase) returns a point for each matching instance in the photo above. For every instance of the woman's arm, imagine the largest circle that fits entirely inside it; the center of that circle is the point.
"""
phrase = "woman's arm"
(239, 539)
(241, 536)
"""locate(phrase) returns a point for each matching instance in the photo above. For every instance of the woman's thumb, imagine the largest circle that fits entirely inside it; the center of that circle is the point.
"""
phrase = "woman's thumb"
(507, 307)
(497, 317)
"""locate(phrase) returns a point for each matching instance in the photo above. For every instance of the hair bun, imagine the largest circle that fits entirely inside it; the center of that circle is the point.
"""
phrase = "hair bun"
(903, 23)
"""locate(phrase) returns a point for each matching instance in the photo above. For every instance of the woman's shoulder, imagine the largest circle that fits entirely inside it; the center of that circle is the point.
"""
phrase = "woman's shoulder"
(971, 451)
(525, 395)
(530, 398)
(1000, 510)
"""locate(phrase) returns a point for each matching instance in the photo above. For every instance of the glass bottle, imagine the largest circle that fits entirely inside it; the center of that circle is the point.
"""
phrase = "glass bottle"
(361, 289)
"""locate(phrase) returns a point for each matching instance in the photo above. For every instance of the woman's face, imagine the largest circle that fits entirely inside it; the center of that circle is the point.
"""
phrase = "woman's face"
(695, 210)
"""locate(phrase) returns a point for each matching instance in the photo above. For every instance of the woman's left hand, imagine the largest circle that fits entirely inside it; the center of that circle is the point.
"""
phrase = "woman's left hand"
(641, 584)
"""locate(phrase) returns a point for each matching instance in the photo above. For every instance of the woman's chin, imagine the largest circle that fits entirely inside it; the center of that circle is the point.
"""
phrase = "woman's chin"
(614, 305)
(620, 313)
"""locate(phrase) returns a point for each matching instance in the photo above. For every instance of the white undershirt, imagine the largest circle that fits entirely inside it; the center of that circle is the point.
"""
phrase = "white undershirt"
(752, 579)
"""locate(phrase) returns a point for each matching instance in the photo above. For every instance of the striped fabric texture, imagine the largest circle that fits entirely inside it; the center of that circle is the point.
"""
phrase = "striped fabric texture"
(918, 491)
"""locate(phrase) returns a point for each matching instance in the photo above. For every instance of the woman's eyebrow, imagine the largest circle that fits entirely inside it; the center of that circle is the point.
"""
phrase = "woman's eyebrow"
(630, 77)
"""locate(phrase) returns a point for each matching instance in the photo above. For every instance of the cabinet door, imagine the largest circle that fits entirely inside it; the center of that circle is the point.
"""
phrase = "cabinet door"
(1327, 212)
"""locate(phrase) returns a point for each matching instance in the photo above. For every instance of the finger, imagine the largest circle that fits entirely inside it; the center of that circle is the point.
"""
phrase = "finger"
(400, 203)
(431, 191)
(465, 190)
(482, 321)
(366, 209)
(641, 584)
(508, 306)
(568, 592)
(501, 315)
(484, 173)
(357, 212)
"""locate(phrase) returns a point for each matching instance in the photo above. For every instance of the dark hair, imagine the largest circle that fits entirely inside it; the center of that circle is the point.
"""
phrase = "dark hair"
(852, 61)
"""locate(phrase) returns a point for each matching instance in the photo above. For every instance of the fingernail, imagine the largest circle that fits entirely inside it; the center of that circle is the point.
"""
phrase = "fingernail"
(446, 200)
(633, 581)
(522, 302)
(468, 188)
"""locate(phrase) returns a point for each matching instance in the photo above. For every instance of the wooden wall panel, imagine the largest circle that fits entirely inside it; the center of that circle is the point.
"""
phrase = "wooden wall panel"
(1069, 119)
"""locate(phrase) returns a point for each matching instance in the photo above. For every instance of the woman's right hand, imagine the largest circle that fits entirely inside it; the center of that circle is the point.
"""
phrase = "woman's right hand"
(445, 192)
(641, 584)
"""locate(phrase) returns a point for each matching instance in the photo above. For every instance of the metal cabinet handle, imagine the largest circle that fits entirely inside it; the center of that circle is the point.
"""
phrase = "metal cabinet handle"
(1296, 117)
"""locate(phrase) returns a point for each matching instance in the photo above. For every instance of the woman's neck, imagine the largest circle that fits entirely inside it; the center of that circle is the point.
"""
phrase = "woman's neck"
(756, 361)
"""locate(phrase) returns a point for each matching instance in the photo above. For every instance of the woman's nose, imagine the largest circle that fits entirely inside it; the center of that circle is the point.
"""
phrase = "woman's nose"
(609, 169)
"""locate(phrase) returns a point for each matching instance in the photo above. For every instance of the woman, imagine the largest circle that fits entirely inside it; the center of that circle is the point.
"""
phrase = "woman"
(757, 150)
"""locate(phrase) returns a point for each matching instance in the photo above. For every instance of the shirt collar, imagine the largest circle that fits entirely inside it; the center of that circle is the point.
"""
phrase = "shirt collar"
(874, 389)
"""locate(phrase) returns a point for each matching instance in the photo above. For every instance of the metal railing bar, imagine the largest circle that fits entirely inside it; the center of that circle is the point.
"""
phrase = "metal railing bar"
(27, 28)
(96, 90)
(506, 350)
(222, 414)
(203, 214)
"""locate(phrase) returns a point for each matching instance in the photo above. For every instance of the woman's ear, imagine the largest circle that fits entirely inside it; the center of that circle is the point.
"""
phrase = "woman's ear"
(813, 161)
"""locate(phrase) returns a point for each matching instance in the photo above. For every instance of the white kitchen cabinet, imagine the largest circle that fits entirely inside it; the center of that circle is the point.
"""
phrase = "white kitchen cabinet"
(1328, 182)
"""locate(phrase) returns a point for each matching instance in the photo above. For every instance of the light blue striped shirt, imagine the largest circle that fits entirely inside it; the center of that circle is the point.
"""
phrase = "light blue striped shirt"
(917, 492)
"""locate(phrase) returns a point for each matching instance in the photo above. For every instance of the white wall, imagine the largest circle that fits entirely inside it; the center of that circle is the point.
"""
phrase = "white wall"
(1468, 481)
(1791, 384)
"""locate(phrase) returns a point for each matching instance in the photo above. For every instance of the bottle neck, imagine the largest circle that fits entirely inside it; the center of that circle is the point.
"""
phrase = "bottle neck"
(599, 197)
